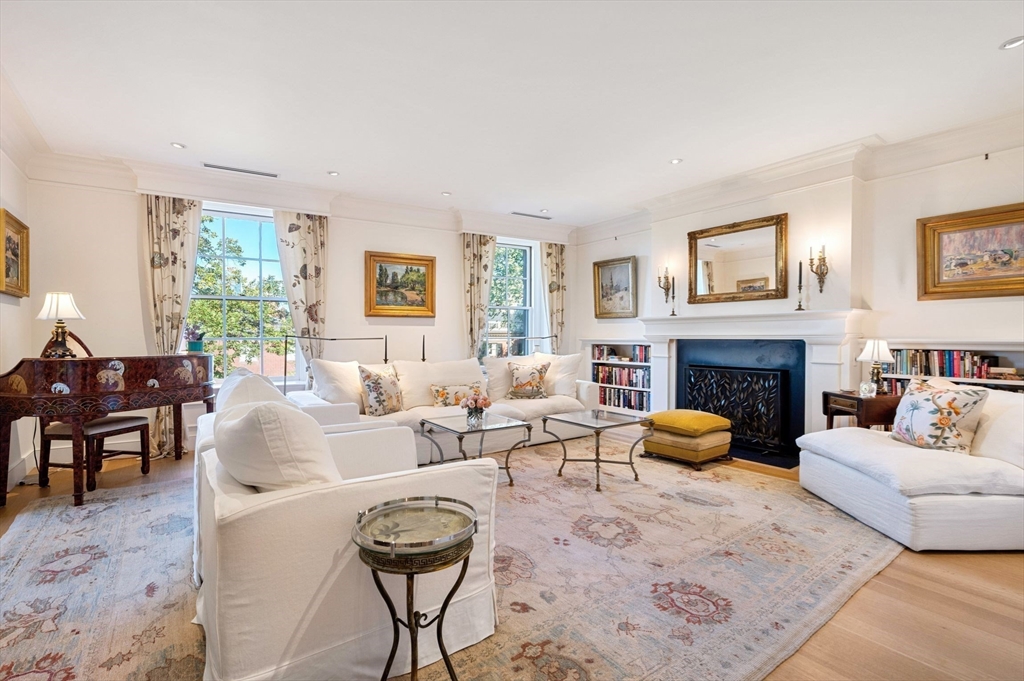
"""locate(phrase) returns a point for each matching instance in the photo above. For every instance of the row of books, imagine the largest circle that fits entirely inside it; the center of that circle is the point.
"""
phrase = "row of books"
(947, 363)
(626, 399)
(630, 377)
(604, 353)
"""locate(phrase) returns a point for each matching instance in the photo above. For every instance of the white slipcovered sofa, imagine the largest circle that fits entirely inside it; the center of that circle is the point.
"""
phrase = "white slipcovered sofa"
(339, 383)
(924, 498)
(285, 595)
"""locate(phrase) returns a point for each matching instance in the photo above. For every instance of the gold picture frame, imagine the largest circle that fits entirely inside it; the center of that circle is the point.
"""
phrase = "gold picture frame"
(615, 288)
(780, 223)
(14, 235)
(974, 254)
(399, 285)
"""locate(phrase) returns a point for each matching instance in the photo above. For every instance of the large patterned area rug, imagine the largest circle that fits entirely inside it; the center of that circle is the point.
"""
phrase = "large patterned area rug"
(101, 592)
(720, 574)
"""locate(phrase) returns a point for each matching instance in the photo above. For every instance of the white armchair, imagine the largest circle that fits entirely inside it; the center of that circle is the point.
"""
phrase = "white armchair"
(285, 595)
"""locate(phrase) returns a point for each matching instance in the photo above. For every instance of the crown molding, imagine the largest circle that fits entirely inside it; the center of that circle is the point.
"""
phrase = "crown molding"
(634, 223)
(80, 171)
(19, 137)
(381, 212)
(499, 224)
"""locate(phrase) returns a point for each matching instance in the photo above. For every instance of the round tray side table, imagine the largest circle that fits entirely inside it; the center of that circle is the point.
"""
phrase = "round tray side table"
(415, 536)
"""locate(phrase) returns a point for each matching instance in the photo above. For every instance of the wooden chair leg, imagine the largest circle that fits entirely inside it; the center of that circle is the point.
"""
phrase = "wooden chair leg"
(144, 448)
(90, 464)
(44, 462)
(98, 460)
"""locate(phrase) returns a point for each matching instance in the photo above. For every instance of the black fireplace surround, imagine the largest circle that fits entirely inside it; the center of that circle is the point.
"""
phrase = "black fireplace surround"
(756, 384)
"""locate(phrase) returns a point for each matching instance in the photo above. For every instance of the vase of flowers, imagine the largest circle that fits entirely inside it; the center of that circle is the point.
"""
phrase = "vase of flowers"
(193, 339)
(474, 406)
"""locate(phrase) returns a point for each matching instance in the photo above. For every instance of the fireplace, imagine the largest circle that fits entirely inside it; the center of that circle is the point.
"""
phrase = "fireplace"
(757, 384)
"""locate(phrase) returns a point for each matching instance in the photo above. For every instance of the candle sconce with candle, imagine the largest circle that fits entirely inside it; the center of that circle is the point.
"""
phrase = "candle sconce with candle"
(668, 284)
(800, 288)
(819, 269)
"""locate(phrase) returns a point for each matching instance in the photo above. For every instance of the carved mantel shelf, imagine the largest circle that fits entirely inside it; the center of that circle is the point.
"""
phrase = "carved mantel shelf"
(824, 326)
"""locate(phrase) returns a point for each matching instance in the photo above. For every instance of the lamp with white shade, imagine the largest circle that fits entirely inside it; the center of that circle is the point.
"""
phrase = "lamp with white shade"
(59, 306)
(877, 352)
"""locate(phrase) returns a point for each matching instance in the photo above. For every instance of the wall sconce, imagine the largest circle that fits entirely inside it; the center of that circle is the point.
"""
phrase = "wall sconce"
(667, 284)
(819, 269)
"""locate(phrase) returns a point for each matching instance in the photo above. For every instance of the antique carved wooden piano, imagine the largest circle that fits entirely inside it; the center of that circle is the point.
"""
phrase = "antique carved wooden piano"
(75, 391)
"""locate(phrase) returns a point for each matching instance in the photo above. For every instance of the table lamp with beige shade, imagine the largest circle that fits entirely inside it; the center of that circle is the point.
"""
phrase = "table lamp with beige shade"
(877, 352)
(59, 306)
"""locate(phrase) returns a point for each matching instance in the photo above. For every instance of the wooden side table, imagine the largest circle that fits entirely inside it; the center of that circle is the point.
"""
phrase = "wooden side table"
(869, 411)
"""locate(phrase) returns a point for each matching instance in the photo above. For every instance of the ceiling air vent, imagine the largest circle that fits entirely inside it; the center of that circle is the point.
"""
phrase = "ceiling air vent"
(239, 170)
(529, 215)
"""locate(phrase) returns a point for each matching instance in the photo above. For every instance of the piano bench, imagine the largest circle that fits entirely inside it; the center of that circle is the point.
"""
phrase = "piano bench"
(96, 432)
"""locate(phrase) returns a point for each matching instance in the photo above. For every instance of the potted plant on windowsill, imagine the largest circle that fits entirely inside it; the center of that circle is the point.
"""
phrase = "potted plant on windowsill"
(194, 339)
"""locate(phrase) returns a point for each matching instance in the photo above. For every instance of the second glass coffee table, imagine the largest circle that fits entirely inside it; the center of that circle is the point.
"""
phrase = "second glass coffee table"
(488, 423)
(598, 421)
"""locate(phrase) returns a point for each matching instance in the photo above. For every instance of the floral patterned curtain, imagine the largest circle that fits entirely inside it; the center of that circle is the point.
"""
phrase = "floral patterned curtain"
(553, 270)
(477, 266)
(172, 228)
(302, 242)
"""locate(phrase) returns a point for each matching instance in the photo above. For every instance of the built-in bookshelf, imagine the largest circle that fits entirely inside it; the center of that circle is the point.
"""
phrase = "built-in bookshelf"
(960, 366)
(623, 374)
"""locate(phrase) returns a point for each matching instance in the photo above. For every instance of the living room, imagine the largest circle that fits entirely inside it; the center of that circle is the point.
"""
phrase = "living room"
(719, 225)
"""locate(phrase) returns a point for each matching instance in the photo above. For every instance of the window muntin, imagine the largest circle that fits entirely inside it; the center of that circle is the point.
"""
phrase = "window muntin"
(508, 315)
(238, 295)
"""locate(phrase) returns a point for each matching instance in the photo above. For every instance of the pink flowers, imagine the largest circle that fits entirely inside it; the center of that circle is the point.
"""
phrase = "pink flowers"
(475, 402)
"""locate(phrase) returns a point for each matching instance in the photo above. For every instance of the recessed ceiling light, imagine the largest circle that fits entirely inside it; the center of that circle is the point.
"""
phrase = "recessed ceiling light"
(543, 210)
(676, 161)
(446, 193)
(332, 173)
(1012, 43)
(178, 145)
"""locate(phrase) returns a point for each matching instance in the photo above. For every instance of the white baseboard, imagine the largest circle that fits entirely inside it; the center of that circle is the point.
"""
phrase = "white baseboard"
(19, 468)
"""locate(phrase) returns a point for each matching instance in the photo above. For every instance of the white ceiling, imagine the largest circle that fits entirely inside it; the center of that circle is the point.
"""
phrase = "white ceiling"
(576, 107)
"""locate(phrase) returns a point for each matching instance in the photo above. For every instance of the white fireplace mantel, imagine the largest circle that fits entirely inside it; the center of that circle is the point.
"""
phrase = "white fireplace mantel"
(830, 337)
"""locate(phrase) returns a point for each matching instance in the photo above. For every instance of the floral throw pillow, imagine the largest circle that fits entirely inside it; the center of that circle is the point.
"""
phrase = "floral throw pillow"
(938, 418)
(527, 381)
(452, 395)
(381, 392)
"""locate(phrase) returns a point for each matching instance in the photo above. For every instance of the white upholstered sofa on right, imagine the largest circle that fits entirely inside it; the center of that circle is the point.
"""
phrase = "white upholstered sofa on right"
(339, 383)
(925, 498)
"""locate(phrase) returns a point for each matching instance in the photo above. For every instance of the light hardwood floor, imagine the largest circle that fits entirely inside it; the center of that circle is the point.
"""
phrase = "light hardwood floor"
(925, 616)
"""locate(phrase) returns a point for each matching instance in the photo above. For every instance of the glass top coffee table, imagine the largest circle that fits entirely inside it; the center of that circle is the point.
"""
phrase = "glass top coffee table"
(460, 427)
(598, 421)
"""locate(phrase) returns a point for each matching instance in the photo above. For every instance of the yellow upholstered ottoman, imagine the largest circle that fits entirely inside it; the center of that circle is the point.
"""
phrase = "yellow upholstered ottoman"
(695, 437)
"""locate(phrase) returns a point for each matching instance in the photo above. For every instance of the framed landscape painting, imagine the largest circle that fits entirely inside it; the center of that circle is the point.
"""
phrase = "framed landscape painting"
(975, 254)
(615, 288)
(399, 285)
(14, 233)
(756, 284)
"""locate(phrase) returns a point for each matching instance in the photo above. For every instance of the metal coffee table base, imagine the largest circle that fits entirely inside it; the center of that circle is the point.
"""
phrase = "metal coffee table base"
(597, 460)
(425, 432)
(415, 620)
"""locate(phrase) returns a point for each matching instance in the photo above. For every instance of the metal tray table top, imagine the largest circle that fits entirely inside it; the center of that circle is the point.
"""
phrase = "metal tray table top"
(414, 525)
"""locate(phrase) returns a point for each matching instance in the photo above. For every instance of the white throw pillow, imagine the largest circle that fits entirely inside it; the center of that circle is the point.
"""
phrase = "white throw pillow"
(417, 377)
(272, 446)
(337, 382)
(561, 377)
(938, 418)
(499, 377)
(382, 394)
(243, 386)
(1000, 433)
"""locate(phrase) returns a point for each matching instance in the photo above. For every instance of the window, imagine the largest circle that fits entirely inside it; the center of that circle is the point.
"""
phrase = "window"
(511, 302)
(238, 295)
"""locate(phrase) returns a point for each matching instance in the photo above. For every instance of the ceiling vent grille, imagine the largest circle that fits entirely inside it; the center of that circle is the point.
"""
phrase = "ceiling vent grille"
(260, 173)
(530, 215)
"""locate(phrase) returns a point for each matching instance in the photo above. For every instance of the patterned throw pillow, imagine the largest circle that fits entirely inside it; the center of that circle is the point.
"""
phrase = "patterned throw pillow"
(451, 395)
(527, 381)
(381, 392)
(938, 418)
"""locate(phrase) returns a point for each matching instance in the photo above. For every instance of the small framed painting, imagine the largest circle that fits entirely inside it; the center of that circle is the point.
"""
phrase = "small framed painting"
(757, 284)
(15, 242)
(976, 254)
(399, 285)
(615, 288)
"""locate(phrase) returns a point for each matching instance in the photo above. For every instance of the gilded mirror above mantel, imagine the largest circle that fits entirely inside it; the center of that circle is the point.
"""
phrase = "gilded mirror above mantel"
(742, 261)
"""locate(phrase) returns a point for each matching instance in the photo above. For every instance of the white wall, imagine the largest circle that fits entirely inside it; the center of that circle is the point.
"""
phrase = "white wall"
(16, 313)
